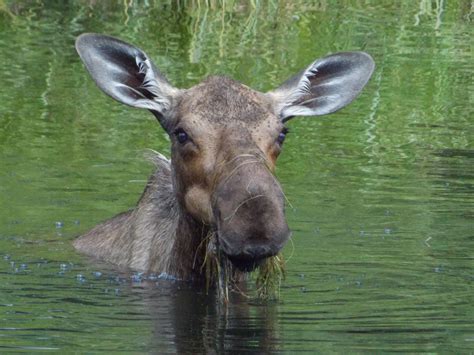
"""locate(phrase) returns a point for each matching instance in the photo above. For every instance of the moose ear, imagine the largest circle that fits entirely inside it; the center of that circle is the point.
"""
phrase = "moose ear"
(327, 85)
(125, 73)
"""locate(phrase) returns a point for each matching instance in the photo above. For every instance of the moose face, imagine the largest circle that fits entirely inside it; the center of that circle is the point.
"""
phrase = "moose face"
(226, 137)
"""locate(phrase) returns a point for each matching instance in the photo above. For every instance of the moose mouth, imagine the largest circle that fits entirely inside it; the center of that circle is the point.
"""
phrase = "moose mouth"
(246, 258)
(224, 268)
(244, 264)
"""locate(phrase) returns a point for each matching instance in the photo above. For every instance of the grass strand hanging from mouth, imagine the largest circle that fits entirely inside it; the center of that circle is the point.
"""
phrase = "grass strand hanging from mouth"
(269, 277)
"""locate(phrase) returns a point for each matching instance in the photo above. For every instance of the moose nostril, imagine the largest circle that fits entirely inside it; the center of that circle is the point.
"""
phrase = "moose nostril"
(256, 251)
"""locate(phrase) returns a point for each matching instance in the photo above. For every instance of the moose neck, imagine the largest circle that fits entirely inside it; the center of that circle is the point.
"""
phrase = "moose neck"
(158, 236)
(176, 239)
(189, 247)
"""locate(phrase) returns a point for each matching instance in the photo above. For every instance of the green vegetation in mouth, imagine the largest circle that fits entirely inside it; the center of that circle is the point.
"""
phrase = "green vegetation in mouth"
(269, 276)
(219, 273)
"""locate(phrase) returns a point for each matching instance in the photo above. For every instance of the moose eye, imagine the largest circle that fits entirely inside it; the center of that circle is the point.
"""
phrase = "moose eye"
(282, 136)
(181, 136)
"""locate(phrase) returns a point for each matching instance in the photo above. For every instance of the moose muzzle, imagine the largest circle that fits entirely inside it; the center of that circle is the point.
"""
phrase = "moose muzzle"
(250, 216)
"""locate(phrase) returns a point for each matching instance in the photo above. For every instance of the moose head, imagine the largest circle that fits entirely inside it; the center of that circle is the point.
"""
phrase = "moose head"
(225, 140)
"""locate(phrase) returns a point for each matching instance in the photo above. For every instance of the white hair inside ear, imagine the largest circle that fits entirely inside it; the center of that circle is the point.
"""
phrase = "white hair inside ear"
(325, 86)
(125, 73)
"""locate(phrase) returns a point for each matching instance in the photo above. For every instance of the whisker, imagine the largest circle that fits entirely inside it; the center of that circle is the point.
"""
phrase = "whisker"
(240, 205)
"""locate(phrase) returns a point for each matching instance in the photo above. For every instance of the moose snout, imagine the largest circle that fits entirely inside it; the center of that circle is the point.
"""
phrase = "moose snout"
(250, 217)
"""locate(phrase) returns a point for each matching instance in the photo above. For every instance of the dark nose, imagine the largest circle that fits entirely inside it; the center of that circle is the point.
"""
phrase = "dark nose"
(258, 251)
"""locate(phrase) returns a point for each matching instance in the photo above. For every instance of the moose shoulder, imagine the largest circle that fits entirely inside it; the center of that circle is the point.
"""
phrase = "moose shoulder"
(225, 141)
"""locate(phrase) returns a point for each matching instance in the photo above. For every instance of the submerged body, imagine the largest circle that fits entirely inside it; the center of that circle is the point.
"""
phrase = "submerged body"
(219, 182)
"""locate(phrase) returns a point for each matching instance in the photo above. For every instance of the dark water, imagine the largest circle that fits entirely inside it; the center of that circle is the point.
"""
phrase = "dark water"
(381, 192)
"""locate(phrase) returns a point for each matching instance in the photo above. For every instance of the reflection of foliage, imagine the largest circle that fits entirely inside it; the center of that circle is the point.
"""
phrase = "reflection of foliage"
(259, 43)
(4, 10)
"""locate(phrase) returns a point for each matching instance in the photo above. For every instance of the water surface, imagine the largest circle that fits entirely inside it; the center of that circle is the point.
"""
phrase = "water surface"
(381, 192)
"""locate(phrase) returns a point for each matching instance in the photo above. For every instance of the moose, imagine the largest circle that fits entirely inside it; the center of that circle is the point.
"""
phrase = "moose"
(225, 141)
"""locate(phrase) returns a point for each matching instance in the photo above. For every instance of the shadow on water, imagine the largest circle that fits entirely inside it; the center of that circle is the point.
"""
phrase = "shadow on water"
(193, 322)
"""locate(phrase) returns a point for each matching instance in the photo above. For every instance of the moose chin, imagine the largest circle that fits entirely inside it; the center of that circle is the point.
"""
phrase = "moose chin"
(218, 192)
